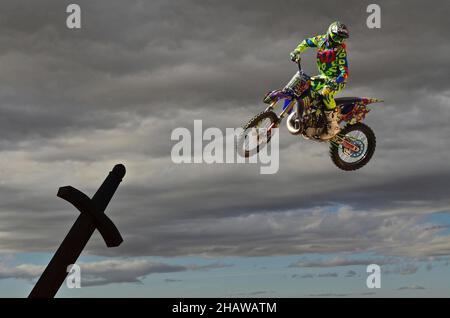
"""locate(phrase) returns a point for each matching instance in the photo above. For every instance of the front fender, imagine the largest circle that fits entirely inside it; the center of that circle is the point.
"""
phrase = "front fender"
(276, 95)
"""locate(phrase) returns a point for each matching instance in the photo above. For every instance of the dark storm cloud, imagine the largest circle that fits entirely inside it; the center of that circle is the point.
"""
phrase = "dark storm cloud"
(351, 273)
(328, 275)
(411, 287)
(342, 294)
(75, 102)
(407, 269)
(259, 293)
(341, 261)
(329, 295)
(171, 280)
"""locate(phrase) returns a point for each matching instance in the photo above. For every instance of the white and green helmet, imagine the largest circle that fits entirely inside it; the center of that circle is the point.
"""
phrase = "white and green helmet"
(337, 32)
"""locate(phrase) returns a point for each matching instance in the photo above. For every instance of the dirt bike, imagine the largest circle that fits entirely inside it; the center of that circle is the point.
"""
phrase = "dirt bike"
(350, 149)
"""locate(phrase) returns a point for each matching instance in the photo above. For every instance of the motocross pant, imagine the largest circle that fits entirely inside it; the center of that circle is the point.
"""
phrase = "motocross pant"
(319, 82)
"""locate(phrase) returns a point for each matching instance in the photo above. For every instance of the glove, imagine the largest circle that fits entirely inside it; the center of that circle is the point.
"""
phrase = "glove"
(326, 90)
(331, 84)
(295, 56)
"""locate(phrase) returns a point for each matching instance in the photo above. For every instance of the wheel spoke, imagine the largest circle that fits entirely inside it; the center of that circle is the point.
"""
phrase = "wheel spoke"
(357, 138)
(256, 135)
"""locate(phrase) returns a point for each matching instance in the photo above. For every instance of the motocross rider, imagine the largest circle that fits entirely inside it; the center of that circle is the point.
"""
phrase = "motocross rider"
(333, 70)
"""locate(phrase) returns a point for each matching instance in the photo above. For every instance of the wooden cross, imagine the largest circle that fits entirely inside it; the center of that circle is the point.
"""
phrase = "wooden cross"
(92, 217)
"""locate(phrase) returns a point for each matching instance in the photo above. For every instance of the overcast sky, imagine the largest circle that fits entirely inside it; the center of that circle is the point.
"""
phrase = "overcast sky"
(75, 102)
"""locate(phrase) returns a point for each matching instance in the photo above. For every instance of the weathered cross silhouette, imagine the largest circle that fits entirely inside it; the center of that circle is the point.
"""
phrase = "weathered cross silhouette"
(92, 217)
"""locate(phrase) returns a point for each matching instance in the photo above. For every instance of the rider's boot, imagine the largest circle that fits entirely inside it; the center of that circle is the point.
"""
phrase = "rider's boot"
(332, 124)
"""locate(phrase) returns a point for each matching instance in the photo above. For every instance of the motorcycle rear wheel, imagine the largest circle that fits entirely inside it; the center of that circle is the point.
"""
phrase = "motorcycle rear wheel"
(362, 136)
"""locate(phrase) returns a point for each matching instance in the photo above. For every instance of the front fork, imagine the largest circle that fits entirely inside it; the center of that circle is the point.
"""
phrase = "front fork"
(283, 114)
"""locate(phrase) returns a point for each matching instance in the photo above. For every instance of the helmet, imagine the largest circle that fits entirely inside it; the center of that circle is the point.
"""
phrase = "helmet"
(337, 32)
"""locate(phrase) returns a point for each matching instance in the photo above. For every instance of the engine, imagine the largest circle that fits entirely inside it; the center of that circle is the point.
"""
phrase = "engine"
(314, 122)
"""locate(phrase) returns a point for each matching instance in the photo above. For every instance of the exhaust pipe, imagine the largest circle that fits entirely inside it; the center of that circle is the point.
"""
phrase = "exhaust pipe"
(293, 120)
(293, 124)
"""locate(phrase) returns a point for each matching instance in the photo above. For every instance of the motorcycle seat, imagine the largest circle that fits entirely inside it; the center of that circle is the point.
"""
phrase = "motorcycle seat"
(347, 100)
(346, 103)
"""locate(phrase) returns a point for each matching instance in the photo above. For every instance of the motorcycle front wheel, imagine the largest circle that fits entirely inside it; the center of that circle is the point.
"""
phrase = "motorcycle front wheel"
(255, 135)
(359, 135)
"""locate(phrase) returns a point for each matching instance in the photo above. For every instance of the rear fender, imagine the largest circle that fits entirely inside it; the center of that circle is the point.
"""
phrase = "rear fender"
(356, 111)
(368, 100)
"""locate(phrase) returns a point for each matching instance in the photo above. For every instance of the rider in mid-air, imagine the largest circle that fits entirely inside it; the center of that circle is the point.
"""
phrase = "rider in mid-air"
(333, 70)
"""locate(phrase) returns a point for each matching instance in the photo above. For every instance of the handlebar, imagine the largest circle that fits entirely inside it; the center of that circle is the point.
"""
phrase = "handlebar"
(300, 68)
(301, 71)
(299, 64)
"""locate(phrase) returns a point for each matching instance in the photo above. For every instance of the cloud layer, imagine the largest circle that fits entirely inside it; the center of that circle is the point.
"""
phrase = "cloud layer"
(109, 271)
(74, 103)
